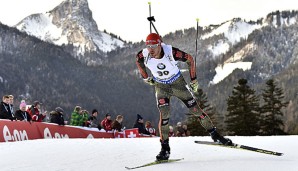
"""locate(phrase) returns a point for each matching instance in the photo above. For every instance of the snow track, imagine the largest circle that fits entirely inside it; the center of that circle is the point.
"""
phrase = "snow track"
(115, 154)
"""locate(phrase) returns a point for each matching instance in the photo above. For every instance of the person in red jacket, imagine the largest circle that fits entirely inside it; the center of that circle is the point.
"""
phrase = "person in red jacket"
(34, 112)
(107, 123)
(150, 128)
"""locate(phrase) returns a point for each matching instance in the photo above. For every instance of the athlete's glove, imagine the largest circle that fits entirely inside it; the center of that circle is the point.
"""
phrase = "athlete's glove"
(194, 85)
(151, 19)
(149, 81)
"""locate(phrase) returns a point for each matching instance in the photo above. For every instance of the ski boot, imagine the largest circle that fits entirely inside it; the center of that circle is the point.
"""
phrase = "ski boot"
(164, 154)
(218, 138)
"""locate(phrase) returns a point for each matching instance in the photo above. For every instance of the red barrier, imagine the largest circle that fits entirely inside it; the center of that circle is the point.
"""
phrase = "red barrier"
(20, 131)
(55, 131)
(17, 131)
(128, 133)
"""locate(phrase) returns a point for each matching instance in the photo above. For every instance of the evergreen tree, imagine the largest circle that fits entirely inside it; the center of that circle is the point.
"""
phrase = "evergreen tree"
(193, 125)
(243, 110)
(272, 122)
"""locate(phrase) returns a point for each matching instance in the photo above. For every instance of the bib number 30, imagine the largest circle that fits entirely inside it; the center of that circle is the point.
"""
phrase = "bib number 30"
(161, 73)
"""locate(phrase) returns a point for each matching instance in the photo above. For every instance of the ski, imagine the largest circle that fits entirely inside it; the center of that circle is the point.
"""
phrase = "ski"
(243, 147)
(154, 163)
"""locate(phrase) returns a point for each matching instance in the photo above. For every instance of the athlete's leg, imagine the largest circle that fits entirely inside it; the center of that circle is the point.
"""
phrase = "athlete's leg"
(163, 94)
(181, 92)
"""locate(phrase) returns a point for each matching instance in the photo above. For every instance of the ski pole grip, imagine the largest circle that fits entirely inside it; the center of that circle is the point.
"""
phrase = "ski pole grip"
(151, 18)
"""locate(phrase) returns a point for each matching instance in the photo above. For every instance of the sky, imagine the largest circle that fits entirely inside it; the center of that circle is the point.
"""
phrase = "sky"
(128, 19)
(115, 154)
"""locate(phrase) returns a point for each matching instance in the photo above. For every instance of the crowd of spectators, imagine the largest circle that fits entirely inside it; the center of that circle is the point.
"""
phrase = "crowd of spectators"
(79, 117)
(180, 131)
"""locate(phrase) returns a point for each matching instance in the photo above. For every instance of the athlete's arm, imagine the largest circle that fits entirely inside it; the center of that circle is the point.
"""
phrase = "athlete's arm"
(141, 66)
(179, 55)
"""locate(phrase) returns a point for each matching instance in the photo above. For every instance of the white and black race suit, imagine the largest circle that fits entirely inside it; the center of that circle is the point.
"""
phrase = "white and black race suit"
(164, 70)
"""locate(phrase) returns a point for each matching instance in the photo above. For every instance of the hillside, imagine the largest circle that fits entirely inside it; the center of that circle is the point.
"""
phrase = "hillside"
(32, 69)
(37, 69)
(268, 45)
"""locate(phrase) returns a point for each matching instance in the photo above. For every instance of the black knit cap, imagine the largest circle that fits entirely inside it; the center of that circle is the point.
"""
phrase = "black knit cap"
(94, 110)
(35, 103)
(139, 117)
(59, 109)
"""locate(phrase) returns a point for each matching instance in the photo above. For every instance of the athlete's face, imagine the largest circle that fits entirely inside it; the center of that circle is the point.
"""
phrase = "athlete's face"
(154, 50)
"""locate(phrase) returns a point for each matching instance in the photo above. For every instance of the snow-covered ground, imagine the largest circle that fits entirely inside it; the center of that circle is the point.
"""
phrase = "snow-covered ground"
(115, 154)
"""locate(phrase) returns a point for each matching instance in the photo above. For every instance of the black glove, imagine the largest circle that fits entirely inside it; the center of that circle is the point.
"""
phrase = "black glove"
(151, 19)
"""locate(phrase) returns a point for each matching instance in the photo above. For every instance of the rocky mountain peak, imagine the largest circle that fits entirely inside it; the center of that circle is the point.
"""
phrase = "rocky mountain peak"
(71, 23)
(73, 11)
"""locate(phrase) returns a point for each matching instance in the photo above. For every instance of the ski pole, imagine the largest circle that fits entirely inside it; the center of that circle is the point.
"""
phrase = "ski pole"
(151, 19)
(197, 42)
(149, 3)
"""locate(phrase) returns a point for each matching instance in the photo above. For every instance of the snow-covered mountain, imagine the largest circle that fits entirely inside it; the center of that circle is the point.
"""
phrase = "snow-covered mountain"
(235, 31)
(70, 23)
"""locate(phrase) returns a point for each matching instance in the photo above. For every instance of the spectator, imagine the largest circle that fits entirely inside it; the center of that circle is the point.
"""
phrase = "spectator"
(149, 128)
(34, 112)
(22, 114)
(140, 125)
(186, 131)
(171, 131)
(57, 116)
(117, 124)
(85, 116)
(5, 110)
(76, 117)
(107, 123)
(11, 104)
(180, 130)
(92, 120)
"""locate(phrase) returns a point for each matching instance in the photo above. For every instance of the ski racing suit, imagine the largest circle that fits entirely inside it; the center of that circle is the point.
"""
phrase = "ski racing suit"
(170, 82)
